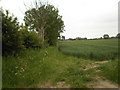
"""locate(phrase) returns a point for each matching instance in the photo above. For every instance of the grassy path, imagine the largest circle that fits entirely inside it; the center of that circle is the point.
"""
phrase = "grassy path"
(97, 82)
(100, 82)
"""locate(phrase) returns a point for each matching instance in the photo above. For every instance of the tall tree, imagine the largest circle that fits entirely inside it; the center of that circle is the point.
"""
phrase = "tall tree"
(54, 25)
(46, 20)
(35, 20)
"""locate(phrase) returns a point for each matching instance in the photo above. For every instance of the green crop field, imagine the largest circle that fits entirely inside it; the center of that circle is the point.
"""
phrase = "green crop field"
(106, 49)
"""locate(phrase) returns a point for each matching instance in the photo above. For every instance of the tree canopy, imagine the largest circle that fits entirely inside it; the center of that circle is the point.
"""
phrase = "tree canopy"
(106, 36)
(118, 35)
(46, 20)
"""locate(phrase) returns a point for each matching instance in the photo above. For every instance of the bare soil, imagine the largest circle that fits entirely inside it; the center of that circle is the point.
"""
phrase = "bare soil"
(100, 83)
(61, 84)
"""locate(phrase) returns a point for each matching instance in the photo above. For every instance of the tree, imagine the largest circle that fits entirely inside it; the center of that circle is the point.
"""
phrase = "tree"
(100, 37)
(105, 36)
(46, 20)
(11, 39)
(63, 37)
(78, 38)
(118, 35)
(54, 25)
(35, 20)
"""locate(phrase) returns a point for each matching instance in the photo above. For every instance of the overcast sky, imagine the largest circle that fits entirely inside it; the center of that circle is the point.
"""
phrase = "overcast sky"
(82, 18)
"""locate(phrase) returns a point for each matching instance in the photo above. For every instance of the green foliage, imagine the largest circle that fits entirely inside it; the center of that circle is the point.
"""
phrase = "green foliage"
(106, 36)
(91, 49)
(30, 38)
(46, 20)
(54, 25)
(16, 38)
(11, 39)
(118, 35)
(63, 37)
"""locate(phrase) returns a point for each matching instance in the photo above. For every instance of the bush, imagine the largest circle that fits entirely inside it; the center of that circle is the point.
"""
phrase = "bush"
(31, 38)
(11, 39)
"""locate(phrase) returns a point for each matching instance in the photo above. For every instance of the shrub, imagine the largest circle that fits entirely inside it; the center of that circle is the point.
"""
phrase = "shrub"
(31, 38)
(11, 39)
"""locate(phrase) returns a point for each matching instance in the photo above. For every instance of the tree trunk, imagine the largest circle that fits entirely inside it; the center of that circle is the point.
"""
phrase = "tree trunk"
(41, 33)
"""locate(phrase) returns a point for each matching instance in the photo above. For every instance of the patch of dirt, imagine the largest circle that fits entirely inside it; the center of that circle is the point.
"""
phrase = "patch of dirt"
(94, 65)
(98, 70)
(89, 67)
(101, 62)
(44, 85)
(61, 84)
(100, 83)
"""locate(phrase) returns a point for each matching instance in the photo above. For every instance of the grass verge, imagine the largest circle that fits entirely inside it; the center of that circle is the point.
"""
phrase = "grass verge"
(110, 71)
(41, 66)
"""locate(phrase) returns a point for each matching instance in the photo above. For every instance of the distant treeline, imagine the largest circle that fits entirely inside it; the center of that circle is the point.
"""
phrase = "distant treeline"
(105, 36)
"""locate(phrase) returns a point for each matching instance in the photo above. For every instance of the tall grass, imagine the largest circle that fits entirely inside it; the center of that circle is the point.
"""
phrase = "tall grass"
(91, 49)
(24, 70)
(110, 71)
(40, 66)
